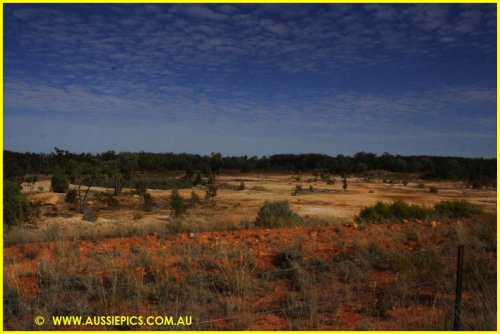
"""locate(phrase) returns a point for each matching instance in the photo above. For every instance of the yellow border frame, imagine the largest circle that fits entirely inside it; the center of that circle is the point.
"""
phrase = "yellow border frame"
(229, 1)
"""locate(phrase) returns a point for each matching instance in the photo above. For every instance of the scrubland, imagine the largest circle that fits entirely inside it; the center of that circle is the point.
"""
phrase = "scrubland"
(375, 256)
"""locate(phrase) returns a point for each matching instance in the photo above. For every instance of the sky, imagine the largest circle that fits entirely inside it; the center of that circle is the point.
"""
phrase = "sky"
(251, 79)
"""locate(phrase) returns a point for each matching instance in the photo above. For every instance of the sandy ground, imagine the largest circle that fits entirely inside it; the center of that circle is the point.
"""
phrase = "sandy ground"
(324, 202)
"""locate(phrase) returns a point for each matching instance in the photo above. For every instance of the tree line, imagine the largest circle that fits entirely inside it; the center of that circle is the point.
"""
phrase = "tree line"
(17, 165)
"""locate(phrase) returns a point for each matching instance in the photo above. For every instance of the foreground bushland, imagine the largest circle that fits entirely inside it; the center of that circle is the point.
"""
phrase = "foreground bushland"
(399, 209)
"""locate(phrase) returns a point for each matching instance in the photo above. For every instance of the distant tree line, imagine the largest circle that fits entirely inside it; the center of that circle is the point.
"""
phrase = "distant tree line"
(126, 164)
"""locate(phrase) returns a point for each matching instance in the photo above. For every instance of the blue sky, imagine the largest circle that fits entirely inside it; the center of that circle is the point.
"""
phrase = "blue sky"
(251, 79)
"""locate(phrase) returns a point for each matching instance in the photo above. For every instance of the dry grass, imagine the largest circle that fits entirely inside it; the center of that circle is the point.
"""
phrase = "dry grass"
(326, 274)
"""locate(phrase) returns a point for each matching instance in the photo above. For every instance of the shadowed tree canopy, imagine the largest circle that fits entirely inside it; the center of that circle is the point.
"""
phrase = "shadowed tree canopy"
(126, 164)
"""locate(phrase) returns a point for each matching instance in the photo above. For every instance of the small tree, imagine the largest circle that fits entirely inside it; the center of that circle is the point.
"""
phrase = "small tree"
(59, 182)
(211, 192)
(476, 184)
(177, 203)
(71, 197)
(189, 172)
(141, 187)
(297, 190)
(344, 183)
(90, 214)
(216, 162)
(16, 206)
(84, 175)
(31, 179)
(405, 180)
(197, 180)
(148, 202)
(113, 172)
(195, 199)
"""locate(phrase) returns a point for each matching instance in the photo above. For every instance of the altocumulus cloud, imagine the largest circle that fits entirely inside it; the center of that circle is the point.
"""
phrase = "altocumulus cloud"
(299, 77)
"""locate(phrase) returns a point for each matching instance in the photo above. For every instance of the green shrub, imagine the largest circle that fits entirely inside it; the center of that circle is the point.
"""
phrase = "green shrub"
(141, 186)
(89, 214)
(13, 300)
(148, 202)
(277, 214)
(195, 199)
(405, 181)
(351, 268)
(138, 216)
(398, 210)
(287, 257)
(292, 307)
(211, 193)
(71, 197)
(476, 184)
(177, 203)
(197, 180)
(297, 190)
(35, 209)
(16, 206)
(411, 234)
(59, 182)
(457, 209)
(291, 259)
(31, 254)
(112, 202)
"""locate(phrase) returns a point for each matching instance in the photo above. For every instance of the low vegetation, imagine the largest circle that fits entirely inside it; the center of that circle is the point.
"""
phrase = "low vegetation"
(16, 206)
(211, 193)
(71, 197)
(90, 214)
(149, 202)
(59, 182)
(246, 263)
(177, 203)
(399, 210)
(277, 214)
(195, 199)
(396, 210)
(457, 209)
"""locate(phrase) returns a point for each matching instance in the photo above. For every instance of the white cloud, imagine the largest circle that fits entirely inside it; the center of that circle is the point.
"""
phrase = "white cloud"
(200, 12)
(228, 9)
(274, 27)
(25, 14)
(329, 37)
(190, 62)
